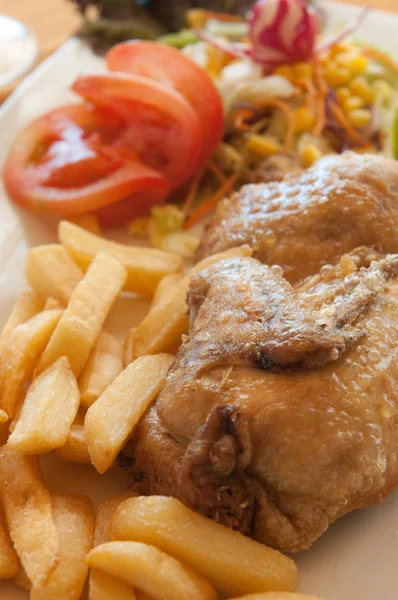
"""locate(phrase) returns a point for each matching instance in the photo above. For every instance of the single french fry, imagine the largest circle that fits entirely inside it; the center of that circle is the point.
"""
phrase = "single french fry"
(26, 307)
(104, 364)
(112, 418)
(145, 266)
(277, 596)
(20, 355)
(74, 519)
(81, 323)
(162, 328)
(3, 417)
(104, 516)
(21, 579)
(233, 563)
(9, 563)
(89, 221)
(151, 570)
(103, 586)
(29, 512)
(165, 289)
(75, 448)
(109, 587)
(50, 271)
(129, 347)
(49, 409)
(52, 303)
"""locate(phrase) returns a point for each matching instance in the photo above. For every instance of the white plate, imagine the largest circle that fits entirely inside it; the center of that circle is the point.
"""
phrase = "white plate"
(357, 557)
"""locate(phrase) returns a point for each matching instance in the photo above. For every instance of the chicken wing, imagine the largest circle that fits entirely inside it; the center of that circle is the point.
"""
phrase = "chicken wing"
(312, 219)
(280, 412)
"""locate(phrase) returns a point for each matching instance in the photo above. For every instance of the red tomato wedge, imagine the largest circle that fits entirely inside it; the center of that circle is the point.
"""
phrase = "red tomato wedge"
(161, 126)
(63, 163)
(170, 67)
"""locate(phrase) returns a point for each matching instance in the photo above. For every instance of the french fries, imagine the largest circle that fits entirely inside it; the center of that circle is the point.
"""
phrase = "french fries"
(75, 448)
(232, 563)
(89, 221)
(277, 596)
(109, 587)
(129, 347)
(151, 570)
(145, 266)
(111, 419)
(29, 513)
(51, 272)
(9, 563)
(3, 417)
(52, 303)
(165, 289)
(74, 520)
(104, 364)
(102, 585)
(21, 579)
(26, 307)
(49, 409)
(161, 330)
(81, 323)
(104, 516)
(22, 350)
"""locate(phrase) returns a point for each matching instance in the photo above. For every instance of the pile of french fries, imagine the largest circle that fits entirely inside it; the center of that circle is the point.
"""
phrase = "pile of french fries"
(69, 387)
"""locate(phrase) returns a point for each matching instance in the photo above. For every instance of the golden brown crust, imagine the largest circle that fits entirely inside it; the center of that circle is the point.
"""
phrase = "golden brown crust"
(307, 221)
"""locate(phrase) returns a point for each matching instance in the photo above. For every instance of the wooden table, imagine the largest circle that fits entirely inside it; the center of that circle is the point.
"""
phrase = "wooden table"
(53, 21)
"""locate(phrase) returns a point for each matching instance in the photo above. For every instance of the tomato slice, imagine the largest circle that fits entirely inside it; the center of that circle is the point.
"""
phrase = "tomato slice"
(170, 67)
(62, 164)
(161, 126)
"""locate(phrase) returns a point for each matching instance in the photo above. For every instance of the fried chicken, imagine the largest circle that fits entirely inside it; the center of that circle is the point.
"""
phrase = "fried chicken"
(279, 413)
(310, 220)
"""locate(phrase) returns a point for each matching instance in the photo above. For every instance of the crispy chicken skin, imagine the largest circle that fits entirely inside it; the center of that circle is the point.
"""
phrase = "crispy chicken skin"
(280, 412)
(310, 220)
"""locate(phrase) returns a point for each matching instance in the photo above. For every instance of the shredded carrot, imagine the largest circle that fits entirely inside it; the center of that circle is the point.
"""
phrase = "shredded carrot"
(289, 114)
(346, 125)
(192, 192)
(240, 117)
(259, 125)
(217, 171)
(227, 18)
(196, 17)
(381, 57)
(321, 98)
(308, 85)
(211, 202)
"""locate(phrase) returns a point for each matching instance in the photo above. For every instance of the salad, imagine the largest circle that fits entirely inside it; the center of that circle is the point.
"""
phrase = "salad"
(177, 124)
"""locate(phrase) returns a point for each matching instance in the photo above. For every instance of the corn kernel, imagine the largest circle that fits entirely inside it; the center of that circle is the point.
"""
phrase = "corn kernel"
(359, 117)
(285, 71)
(309, 155)
(344, 59)
(336, 76)
(352, 103)
(339, 48)
(342, 93)
(215, 61)
(302, 70)
(358, 65)
(263, 145)
(383, 91)
(360, 87)
(304, 119)
(138, 227)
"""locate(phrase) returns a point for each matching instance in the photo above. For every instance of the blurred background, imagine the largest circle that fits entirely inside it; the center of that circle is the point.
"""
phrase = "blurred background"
(49, 23)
